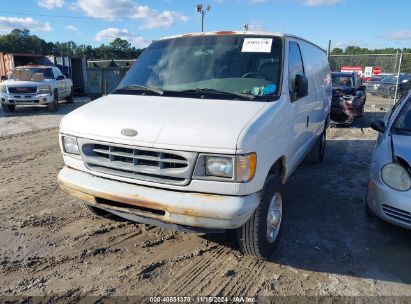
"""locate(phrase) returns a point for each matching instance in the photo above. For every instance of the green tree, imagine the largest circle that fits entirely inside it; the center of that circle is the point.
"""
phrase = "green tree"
(21, 41)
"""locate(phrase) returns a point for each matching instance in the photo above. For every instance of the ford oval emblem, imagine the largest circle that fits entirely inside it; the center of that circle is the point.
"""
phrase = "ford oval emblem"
(129, 132)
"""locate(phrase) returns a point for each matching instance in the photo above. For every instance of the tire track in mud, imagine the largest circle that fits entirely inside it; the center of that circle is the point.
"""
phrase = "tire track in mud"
(194, 271)
(242, 285)
(207, 279)
(230, 279)
(28, 133)
(27, 202)
(22, 158)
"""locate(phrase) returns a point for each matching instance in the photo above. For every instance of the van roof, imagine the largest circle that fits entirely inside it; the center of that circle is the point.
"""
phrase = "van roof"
(259, 33)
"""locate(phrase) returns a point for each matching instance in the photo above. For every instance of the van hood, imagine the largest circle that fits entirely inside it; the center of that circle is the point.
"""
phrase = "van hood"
(189, 124)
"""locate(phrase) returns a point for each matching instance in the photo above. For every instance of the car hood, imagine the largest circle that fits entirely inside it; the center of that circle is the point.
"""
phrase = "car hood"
(402, 147)
(163, 122)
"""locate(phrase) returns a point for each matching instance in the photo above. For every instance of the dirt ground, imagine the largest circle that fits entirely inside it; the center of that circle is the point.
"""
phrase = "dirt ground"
(49, 246)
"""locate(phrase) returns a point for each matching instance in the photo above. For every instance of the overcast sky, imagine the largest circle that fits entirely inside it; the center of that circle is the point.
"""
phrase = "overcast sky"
(367, 23)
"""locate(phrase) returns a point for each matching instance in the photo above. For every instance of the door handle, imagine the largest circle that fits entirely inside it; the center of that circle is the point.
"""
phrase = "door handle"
(308, 121)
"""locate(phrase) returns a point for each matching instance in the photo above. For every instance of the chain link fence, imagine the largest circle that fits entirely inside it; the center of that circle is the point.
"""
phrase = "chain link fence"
(373, 68)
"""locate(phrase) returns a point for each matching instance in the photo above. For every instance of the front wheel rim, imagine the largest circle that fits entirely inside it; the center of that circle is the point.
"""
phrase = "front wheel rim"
(274, 217)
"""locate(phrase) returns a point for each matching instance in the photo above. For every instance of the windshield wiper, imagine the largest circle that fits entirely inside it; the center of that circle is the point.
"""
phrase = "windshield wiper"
(141, 87)
(207, 90)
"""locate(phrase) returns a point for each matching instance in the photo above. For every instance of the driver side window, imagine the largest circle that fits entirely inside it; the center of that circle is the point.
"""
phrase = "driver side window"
(295, 64)
(57, 73)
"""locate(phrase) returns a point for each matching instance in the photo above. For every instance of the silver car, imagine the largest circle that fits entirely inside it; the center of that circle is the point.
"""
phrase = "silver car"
(389, 194)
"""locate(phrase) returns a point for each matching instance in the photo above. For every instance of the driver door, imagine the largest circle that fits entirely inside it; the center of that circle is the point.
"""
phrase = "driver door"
(60, 82)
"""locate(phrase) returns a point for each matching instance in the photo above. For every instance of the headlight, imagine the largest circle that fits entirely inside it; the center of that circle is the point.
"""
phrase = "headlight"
(3, 89)
(44, 89)
(70, 145)
(396, 177)
(240, 168)
(245, 167)
(219, 166)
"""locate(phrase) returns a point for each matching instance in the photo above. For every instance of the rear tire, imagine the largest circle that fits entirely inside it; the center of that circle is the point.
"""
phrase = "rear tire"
(54, 105)
(70, 98)
(317, 152)
(8, 108)
(259, 236)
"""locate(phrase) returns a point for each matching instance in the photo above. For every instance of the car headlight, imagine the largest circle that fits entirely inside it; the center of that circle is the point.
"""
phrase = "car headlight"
(3, 89)
(44, 89)
(219, 166)
(70, 145)
(241, 167)
(396, 177)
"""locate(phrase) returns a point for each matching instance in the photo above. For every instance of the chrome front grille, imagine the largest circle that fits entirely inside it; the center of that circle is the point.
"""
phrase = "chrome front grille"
(397, 214)
(154, 165)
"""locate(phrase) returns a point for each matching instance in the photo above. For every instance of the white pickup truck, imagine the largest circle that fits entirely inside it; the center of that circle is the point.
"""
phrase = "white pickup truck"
(35, 85)
(202, 133)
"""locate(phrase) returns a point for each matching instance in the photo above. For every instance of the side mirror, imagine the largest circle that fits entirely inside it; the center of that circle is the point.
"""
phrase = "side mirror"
(60, 77)
(300, 87)
(378, 125)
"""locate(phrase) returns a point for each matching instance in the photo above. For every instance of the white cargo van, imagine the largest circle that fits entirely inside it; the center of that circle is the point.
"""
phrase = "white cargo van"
(202, 133)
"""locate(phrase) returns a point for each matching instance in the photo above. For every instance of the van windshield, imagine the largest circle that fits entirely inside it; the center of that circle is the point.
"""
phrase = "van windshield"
(208, 65)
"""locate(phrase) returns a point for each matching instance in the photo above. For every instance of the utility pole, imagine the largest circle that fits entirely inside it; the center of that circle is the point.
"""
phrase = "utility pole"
(398, 78)
(200, 10)
(329, 49)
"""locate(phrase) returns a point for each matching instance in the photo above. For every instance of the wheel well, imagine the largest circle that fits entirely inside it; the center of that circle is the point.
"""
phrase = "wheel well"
(278, 167)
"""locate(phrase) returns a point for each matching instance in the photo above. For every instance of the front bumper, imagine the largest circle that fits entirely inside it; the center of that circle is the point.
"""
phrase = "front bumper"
(166, 206)
(390, 205)
(26, 99)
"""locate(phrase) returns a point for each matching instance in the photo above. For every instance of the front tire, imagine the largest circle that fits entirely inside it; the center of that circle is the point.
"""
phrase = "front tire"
(317, 152)
(368, 211)
(362, 111)
(54, 105)
(259, 236)
(8, 108)
(70, 98)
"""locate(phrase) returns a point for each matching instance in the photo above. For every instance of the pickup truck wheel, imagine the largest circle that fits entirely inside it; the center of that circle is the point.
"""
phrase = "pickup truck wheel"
(317, 152)
(54, 105)
(8, 108)
(260, 234)
(70, 98)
